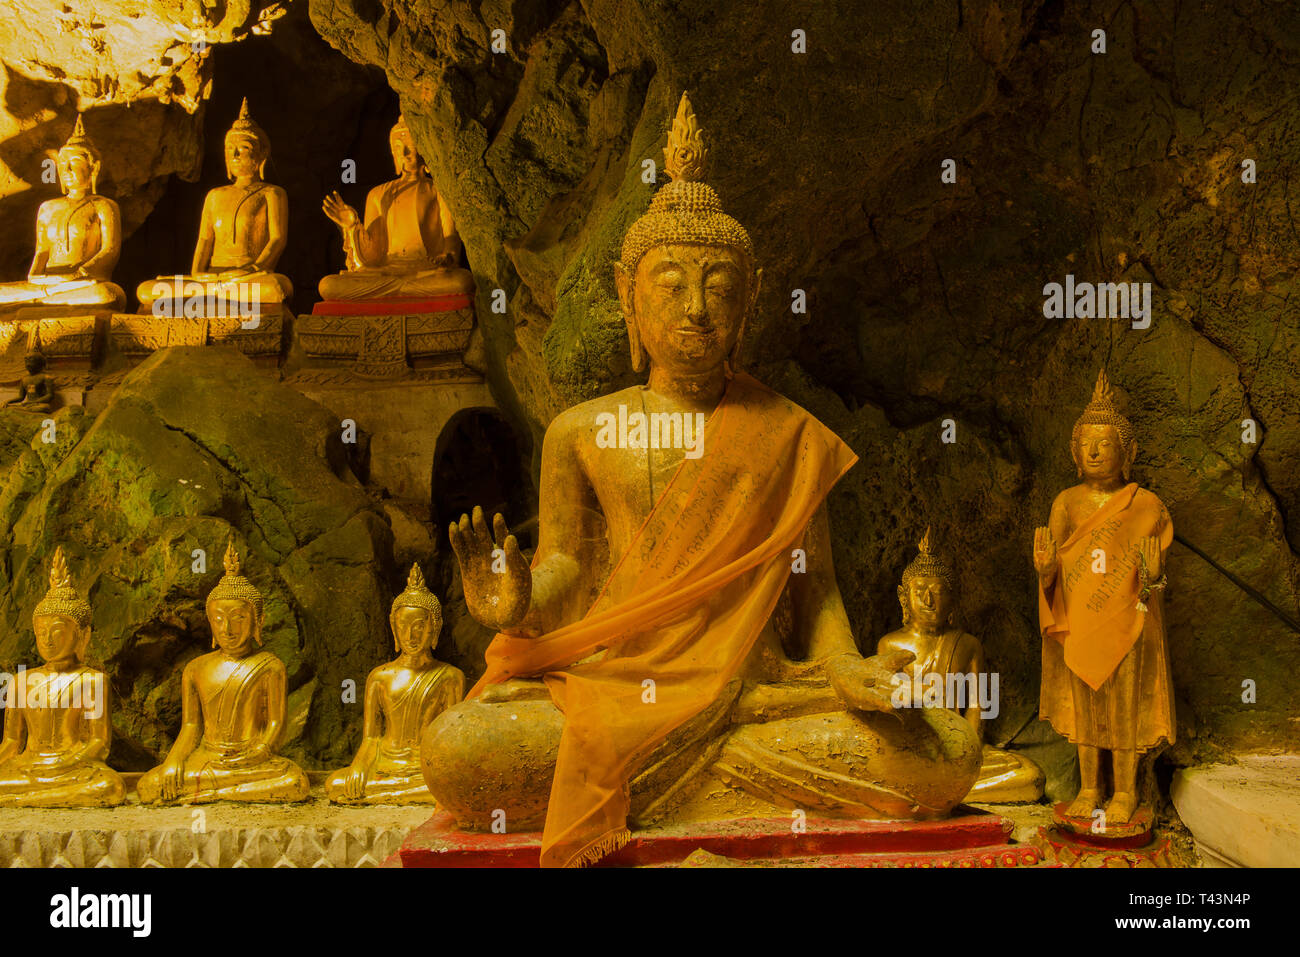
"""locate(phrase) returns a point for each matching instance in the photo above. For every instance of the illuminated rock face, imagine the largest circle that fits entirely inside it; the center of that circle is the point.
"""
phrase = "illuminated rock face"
(63, 58)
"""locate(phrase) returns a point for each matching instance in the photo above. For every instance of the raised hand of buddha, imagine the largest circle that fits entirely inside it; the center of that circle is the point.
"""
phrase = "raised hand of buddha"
(339, 211)
(494, 573)
(1045, 559)
(867, 684)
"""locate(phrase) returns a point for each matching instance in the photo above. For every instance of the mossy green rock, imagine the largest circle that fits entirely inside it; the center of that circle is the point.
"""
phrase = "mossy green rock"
(197, 446)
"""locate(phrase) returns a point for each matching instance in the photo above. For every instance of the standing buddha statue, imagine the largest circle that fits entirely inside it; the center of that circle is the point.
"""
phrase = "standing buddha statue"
(407, 247)
(402, 697)
(1107, 684)
(244, 229)
(78, 238)
(928, 595)
(232, 712)
(56, 726)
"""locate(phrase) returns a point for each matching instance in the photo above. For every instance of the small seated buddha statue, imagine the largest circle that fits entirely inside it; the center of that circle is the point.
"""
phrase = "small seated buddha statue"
(232, 712)
(402, 697)
(950, 663)
(56, 727)
(35, 390)
(663, 659)
(243, 231)
(78, 238)
(407, 247)
(1107, 682)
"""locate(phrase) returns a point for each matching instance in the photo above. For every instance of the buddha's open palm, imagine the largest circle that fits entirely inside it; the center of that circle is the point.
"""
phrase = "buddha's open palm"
(339, 211)
(494, 573)
(1045, 557)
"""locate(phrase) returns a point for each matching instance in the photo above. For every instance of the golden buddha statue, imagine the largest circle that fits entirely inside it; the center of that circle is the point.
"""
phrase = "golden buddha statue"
(949, 664)
(408, 246)
(233, 712)
(1107, 684)
(402, 697)
(243, 231)
(56, 726)
(78, 238)
(678, 649)
(35, 391)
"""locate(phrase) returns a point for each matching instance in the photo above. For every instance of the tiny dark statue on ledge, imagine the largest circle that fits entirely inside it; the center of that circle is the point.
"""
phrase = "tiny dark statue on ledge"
(36, 389)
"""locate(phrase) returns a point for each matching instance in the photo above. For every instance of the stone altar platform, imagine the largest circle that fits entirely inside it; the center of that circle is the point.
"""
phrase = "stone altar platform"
(1245, 814)
(314, 833)
(970, 839)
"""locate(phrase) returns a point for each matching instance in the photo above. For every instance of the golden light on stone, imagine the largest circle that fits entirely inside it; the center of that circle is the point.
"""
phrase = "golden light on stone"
(233, 712)
(56, 721)
(401, 698)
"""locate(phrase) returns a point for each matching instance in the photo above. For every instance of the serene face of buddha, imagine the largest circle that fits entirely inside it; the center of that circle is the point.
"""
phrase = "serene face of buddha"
(405, 158)
(243, 155)
(929, 601)
(235, 625)
(1099, 453)
(77, 169)
(689, 304)
(57, 637)
(415, 630)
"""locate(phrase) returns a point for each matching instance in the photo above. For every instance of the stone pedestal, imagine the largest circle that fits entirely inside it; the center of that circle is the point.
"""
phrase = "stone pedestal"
(970, 839)
(333, 347)
(261, 338)
(1082, 842)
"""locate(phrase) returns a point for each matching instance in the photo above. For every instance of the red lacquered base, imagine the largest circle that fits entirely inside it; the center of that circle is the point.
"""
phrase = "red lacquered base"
(970, 839)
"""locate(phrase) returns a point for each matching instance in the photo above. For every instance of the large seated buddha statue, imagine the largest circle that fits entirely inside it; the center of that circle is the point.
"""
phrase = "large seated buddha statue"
(402, 697)
(78, 238)
(407, 246)
(243, 231)
(232, 712)
(949, 666)
(56, 727)
(678, 649)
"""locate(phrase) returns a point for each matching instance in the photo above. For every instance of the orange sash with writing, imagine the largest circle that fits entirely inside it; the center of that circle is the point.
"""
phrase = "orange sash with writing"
(1094, 613)
(702, 577)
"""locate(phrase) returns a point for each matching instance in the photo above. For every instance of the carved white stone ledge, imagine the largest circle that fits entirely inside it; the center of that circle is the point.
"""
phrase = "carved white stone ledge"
(314, 833)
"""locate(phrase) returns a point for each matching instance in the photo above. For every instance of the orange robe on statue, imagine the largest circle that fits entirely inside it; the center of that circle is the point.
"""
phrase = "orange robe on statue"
(1106, 676)
(682, 609)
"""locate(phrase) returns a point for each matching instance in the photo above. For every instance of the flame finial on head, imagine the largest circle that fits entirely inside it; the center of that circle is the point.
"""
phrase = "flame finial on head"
(1101, 410)
(417, 594)
(233, 584)
(686, 210)
(62, 598)
(927, 564)
(245, 126)
(685, 156)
